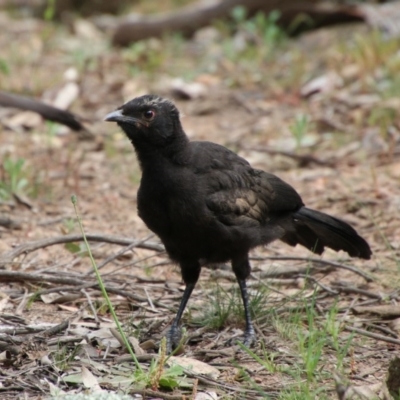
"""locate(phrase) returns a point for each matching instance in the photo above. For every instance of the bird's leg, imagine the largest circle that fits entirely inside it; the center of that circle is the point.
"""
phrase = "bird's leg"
(241, 268)
(174, 333)
(249, 334)
(190, 275)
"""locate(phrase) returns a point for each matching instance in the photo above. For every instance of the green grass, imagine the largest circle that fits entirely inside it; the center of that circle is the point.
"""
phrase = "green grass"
(299, 128)
(316, 343)
(225, 307)
(64, 356)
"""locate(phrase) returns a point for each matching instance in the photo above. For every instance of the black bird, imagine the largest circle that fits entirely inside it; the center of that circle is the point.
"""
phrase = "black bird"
(208, 205)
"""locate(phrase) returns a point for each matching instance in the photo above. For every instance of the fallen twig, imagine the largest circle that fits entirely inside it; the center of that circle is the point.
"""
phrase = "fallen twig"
(29, 247)
(7, 276)
(321, 285)
(317, 261)
(372, 335)
(56, 329)
(120, 253)
(352, 289)
(303, 159)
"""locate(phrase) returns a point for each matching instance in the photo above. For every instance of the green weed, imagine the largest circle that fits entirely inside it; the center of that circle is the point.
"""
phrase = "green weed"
(64, 356)
(262, 27)
(225, 307)
(145, 55)
(50, 10)
(4, 67)
(299, 128)
(13, 178)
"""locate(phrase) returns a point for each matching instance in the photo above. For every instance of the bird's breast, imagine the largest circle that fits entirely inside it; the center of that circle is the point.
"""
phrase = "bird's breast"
(167, 202)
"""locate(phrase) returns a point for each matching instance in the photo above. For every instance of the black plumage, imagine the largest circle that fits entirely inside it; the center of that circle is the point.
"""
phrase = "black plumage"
(208, 205)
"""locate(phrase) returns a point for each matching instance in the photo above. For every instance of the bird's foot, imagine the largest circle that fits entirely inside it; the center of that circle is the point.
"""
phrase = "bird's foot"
(174, 339)
(248, 339)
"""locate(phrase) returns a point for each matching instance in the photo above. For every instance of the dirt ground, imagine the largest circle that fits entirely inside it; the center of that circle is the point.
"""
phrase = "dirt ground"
(320, 111)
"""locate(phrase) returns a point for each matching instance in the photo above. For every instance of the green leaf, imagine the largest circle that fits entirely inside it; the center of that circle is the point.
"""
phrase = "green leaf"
(4, 68)
(168, 382)
(73, 247)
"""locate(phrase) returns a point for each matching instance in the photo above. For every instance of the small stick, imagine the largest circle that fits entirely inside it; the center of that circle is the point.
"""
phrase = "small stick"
(372, 335)
(29, 247)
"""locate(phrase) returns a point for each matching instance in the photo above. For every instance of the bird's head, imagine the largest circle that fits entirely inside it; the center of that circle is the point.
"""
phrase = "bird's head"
(150, 119)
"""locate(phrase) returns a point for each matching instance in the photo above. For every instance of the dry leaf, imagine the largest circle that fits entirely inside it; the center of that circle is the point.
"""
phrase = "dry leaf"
(90, 381)
(321, 84)
(66, 95)
(206, 396)
(187, 90)
(196, 366)
(24, 119)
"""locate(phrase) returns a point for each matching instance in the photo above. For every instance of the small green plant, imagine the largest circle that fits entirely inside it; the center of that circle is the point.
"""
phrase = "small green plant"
(32, 298)
(333, 329)
(4, 67)
(68, 225)
(64, 356)
(226, 307)
(263, 27)
(299, 128)
(267, 359)
(384, 118)
(271, 33)
(13, 178)
(50, 10)
(311, 340)
(145, 54)
(158, 376)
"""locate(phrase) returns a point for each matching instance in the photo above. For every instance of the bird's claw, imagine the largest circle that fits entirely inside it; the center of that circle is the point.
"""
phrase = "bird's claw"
(174, 337)
(248, 339)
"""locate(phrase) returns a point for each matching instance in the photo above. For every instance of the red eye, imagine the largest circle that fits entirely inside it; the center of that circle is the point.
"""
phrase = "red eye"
(149, 114)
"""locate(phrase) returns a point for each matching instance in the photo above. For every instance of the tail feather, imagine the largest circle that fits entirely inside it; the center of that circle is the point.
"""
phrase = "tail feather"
(316, 230)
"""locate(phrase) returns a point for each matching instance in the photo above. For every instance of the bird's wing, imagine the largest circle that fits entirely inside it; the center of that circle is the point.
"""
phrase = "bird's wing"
(236, 193)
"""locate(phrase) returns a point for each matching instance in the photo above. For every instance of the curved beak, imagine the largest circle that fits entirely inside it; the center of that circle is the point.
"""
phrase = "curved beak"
(115, 116)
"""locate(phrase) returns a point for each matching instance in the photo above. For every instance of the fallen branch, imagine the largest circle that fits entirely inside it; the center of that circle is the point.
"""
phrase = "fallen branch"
(47, 112)
(202, 13)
